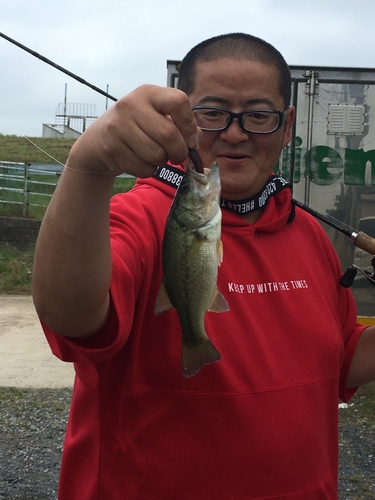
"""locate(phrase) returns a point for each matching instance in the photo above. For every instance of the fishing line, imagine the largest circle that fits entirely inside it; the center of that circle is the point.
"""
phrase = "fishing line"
(42, 150)
(57, 161)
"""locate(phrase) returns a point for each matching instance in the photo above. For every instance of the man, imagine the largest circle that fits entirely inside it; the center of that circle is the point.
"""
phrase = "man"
(262, 422)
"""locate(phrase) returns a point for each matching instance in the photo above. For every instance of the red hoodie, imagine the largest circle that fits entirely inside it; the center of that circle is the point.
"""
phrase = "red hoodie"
(260, 424)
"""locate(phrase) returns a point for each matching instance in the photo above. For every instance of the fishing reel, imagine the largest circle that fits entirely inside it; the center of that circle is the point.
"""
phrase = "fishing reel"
(348, 277)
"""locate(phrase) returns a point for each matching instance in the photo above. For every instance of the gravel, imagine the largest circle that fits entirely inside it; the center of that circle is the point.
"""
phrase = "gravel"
(32, 428)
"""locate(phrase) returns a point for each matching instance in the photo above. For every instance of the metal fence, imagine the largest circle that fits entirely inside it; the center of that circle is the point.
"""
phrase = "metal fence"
(25, 192)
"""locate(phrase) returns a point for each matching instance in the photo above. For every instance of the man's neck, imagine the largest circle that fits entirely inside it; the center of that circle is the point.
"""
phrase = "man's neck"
(252, 217)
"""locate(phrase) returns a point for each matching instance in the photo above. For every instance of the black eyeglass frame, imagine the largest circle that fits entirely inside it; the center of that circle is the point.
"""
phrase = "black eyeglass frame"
(239, 116)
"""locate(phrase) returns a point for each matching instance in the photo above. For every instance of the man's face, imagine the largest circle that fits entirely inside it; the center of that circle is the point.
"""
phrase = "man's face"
(245, 159)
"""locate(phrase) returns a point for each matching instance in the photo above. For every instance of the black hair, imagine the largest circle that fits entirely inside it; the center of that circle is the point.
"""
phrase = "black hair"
(235, 46)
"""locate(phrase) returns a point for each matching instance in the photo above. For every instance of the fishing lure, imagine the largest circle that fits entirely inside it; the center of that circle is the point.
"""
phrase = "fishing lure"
(196, 160)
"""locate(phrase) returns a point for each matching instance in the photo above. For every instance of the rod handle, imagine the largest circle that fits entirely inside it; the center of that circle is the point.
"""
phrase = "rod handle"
(365, 242)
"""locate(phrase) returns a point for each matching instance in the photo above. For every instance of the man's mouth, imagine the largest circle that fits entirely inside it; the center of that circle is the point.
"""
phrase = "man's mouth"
(234, 156)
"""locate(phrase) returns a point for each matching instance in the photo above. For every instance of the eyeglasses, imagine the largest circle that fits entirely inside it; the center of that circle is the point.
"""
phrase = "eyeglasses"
(257, 121)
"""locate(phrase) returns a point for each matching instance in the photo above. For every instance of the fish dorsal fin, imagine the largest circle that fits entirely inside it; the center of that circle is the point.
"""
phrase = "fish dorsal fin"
(219, 303)
(163, 303)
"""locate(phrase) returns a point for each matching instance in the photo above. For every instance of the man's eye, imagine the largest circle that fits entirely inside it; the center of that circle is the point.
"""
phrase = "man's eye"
(213, 114)
(259, 116)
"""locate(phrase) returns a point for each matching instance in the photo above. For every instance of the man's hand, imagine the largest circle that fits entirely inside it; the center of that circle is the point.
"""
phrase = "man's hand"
(141, 131)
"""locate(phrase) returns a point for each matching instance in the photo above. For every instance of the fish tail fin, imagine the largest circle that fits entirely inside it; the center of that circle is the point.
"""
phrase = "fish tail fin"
(194, 357)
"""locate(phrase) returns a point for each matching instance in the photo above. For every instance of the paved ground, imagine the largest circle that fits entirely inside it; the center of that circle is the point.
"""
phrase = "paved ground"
(25, 357)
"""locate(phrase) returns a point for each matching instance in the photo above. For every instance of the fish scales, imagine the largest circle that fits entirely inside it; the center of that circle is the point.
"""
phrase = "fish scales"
(192, 252)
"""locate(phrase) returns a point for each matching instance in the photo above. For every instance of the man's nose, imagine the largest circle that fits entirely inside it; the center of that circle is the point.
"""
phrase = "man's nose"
(235, 132)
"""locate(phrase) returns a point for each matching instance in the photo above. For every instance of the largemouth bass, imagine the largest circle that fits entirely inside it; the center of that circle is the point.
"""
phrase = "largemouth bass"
(192, 252)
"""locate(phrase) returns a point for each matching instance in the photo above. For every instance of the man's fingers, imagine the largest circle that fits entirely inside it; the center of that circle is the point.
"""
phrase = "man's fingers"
(145, 129)
(167, 118)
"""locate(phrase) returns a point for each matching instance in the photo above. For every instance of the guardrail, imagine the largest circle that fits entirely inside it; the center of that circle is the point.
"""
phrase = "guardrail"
(25, 193)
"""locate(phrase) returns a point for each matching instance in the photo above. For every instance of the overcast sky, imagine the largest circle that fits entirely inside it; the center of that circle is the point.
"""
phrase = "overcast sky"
(125, 43)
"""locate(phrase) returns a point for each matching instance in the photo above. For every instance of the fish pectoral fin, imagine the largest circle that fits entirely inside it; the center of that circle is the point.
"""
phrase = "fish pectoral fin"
(195, 356)
(163, 303)
(219, 303)
(219, 251)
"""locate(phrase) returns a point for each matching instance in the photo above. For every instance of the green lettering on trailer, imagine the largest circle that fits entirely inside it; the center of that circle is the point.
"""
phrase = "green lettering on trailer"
(286, 162)
(324, 165)
(356, 161)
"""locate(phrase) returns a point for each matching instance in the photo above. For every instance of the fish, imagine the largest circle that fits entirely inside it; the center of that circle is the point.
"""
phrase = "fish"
(192, 252)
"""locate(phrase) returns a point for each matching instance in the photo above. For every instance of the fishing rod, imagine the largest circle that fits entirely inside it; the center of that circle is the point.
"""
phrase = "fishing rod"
(360, 239)
(56, 66)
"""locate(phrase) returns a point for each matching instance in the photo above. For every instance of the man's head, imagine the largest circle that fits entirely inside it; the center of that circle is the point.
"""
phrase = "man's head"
(243, 78)
(239, 46)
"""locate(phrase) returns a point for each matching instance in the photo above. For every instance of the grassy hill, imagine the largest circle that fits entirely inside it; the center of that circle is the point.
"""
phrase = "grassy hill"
(19, 149)
(36, 195)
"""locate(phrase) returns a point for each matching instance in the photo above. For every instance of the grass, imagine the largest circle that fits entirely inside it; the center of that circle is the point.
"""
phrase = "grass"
(15, 263)
(16, 269)
(40, 186)
(19, 149)
(39, 191)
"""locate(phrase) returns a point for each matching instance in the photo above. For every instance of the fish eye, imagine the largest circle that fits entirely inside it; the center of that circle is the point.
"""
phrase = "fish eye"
(184, 185)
